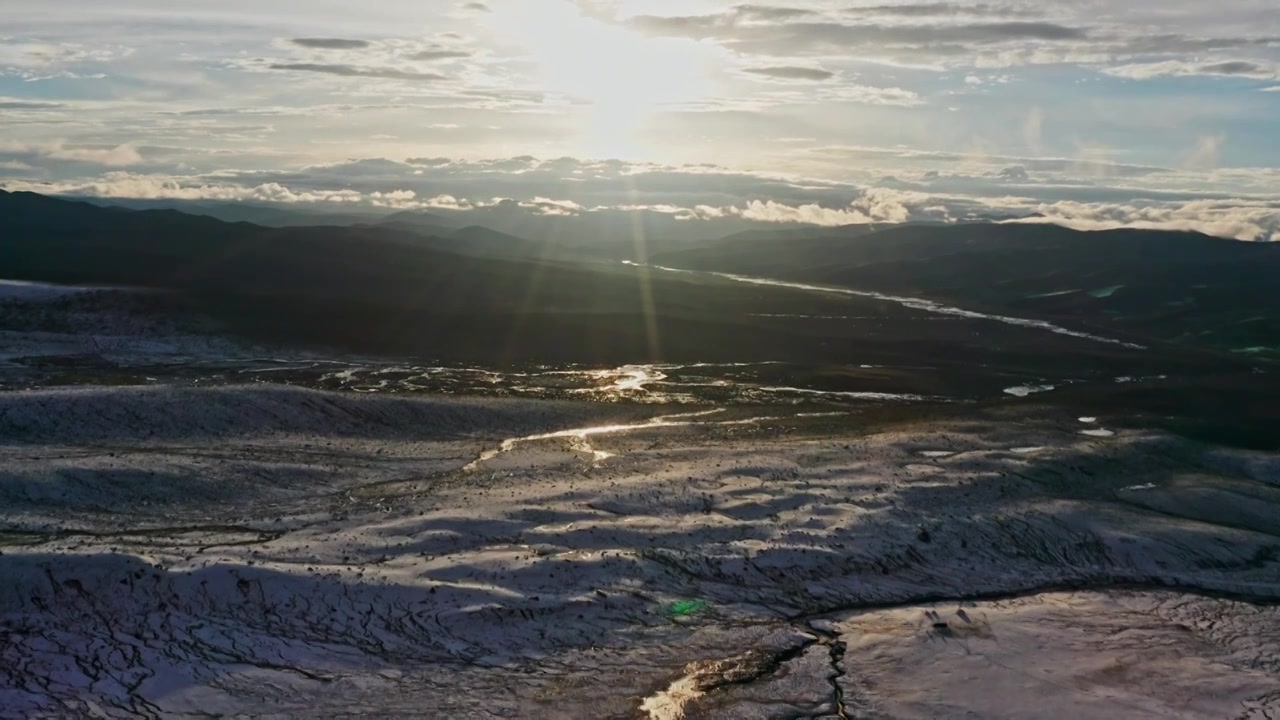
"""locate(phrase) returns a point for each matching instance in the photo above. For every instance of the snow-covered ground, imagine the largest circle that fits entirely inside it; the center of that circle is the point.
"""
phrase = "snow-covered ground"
(41, 321)
(1121, 654)
(278, 551)
(35, 291)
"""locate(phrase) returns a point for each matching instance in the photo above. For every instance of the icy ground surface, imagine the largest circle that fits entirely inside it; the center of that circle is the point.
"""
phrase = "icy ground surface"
(29, 291)
(182, 552)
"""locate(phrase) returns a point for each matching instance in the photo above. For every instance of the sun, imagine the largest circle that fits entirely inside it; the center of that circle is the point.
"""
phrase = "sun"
(614, 76)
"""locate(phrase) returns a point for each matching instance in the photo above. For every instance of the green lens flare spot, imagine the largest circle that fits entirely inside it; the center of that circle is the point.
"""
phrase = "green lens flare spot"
(685, 608)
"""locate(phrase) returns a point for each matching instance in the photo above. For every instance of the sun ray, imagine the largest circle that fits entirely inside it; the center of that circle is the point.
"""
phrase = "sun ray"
(648, 309)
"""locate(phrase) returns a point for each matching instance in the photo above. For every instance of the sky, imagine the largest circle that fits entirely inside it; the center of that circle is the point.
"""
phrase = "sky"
(1089, 113)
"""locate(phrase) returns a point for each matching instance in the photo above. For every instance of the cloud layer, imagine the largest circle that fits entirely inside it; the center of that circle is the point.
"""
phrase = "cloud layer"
(527, 186)
(1130, 109)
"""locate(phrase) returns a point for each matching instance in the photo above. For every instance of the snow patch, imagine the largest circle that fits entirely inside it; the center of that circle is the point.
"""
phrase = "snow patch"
(1028, 390)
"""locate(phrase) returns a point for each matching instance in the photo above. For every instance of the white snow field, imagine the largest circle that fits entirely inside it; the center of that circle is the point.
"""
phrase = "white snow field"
(265, 551)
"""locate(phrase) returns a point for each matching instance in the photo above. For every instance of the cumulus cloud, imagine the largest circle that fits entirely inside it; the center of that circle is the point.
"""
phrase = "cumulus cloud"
(398, 199)
(119, 184)
(768, 211)
(1238, 219)
(447, 202)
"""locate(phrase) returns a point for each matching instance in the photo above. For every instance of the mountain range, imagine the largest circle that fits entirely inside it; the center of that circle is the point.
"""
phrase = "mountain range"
(964, 311)
(1185, 289)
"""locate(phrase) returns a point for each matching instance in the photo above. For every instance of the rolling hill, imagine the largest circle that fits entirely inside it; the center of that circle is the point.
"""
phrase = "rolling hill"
(1176, 286)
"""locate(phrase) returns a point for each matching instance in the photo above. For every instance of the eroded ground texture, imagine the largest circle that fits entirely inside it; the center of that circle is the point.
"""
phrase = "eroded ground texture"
(272, 551)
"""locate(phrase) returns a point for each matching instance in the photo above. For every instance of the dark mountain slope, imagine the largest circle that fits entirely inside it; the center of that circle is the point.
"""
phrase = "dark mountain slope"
(1177, 286)
(277, 215)
(381, 290)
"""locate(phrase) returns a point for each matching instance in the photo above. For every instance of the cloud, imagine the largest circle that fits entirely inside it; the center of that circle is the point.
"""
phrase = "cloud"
(32, 77)
(788, 72)
(1087, 167)
(477, 7)
(330, 43)
(404, 78)
(1015, 173)
(20, 53)
(1237, 219)
(878, 95)
(940, 35)
(940, 9)
(770, 13)
(1233, 67)
(806, 94)
(588, 183)
(446, 202)
(744, 33)
(59, 152)
(393, 199)
(510, 192)
(160, 187)
(427, 55)
(118, 156)
(358, 71)
(1184, 68)
(769, 211)
(12, 103)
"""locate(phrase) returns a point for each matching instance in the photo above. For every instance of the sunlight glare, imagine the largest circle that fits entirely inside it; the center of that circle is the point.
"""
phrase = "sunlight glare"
(622, 77)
